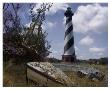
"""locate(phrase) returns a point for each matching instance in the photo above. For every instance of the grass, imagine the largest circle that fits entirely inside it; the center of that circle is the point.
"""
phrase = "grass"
(15, 75)
(85, 82)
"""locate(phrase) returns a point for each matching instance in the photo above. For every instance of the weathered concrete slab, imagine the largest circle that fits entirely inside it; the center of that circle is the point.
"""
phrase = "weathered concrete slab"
(46, 74)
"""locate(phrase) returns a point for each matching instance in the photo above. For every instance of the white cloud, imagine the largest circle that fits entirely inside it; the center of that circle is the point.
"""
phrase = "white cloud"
(54, 9)
(64, 20)
(100, 54)
(76, 48)
(86, 41)
(48, 25)
(92, 17)
(96, 49)
(57, 50)
(28, 24)
(81, 57)
(57, 7)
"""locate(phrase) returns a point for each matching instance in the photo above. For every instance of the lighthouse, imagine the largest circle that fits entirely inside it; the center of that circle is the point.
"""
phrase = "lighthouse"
(69, 51)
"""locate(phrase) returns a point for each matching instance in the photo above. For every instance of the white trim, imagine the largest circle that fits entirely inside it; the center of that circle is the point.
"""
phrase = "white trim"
(68, 37)
(68, 25)
(70, 51)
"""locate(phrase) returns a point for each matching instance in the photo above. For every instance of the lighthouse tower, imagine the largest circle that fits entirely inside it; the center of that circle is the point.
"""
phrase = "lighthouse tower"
(69, 51)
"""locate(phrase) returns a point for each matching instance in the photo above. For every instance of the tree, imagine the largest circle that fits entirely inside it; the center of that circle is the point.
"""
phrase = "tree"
(11, 23)
(36, 40)
(28, 44)
(11, 30)
(103, 60)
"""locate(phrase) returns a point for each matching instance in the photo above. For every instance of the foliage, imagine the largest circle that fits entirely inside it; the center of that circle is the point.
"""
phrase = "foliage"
(35, 37)
(11, 23)
(20, 41)
(103, 60)
(54, 60)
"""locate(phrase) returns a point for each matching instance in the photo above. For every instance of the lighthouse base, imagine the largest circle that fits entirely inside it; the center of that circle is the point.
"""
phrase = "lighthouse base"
(68, 58)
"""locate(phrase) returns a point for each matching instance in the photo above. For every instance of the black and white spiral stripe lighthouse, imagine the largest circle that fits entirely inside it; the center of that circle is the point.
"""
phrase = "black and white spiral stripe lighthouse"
(69, 51)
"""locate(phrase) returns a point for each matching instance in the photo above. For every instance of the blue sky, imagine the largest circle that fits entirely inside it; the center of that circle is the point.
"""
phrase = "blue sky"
(90, 26)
